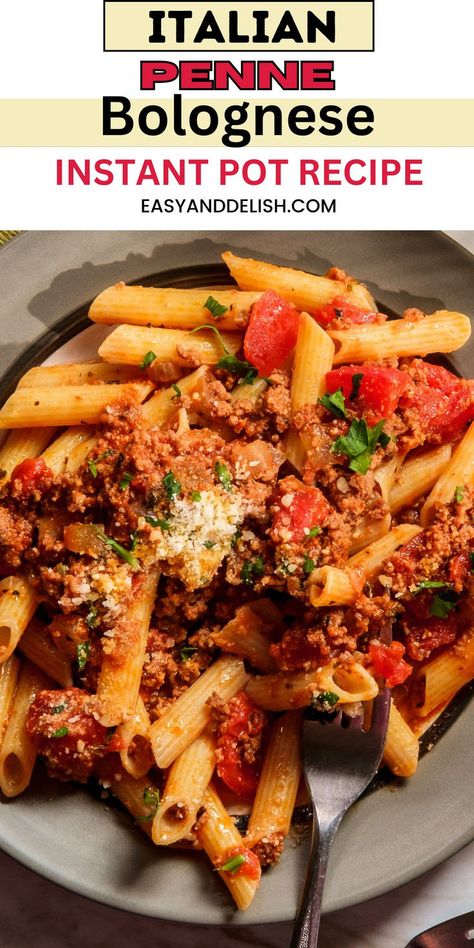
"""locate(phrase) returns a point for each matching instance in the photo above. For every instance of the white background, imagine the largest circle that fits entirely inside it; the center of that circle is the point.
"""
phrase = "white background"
(54, 49)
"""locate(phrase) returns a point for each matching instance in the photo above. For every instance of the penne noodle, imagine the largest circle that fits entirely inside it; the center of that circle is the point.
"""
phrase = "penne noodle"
(36, 644)
(459, 471)
(8, 678)
(188, 779)
(401, 746)
(173, 309)
(350, 682)
(330, 586)
(313, 359)
(371, 529)
(186, 719)
(136, 754)
(437, 681)
(443, 331)
(306, 290)
(130, 344)
(249, 392)
(20, 445)
(245, 635)
(295, 450)
(279, 780)
(78, 373)
(18, 754)
(221, 839)
(64, 447)
(138, 795)
(417, 476)
(119, 679)
(68, 405)
(288, 691)
(368, 561)
(18, 602)
(161, 407)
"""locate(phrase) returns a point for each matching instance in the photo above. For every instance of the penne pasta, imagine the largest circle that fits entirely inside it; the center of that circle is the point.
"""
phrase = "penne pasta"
(133, 737)
(63, 448)
(36, 645)
(22, 444)
(330, 586)
(295, 450)
(161, 407)
(119, 679)
(245, 635)
(138, 795)
(306, 290)
(370, 559)
(187, 718)
(174, 309)
(18, 754)
(439, 679)
(278, 784)
(18, 602)
(68, 405)
(370, 529)
(8, 679)
(441, 332)
(220, 839)
(313, 360)
(459, 471)
(401, 746)
(286, 692)
(78, 373)
(417, 476)
(130, 345)
(187, 781)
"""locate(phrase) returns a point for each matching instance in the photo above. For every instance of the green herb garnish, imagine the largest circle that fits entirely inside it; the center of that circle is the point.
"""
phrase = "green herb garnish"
(61, 732)
(157, 522)
(360, 443)
(209, 544)
(120, 551)
(58, 708)
(82, 654)
(356, 380)
(126, 480)
(443, 603)
(308, 565)
(215, 308)
(252, 569)
(236, 538)
(151, 797)
(177, 390)
(232, 864)
(133, 541)
(171, 485)
(195, 496)
(459, 493)
(428, 584)
(92, 463)
(324, 701)
(223, 475)
(187, 653)
(334, 403)
(92, 617)
(147, 359)
(314, 532)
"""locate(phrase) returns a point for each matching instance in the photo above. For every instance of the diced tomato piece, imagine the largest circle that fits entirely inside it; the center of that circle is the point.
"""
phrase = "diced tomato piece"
(459, 569)
(61, 724)
(441, 403)
(250, 867)
(245, 721)
(30, 472)
(299, 509)
(389, 663)
(341, 309)
(425, 635)
(271, 333)
(379, 391)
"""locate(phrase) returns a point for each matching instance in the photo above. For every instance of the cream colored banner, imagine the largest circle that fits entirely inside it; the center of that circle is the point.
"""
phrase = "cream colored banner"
(345, 25)
(397, 122)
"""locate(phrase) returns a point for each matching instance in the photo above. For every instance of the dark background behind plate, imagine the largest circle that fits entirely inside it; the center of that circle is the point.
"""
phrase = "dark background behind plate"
(387, 838)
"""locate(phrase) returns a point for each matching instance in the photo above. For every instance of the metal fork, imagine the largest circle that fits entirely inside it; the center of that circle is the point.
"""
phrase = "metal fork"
(339, 761)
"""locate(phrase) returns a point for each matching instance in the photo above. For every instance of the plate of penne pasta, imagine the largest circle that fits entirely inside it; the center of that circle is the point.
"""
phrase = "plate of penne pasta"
(223, 472)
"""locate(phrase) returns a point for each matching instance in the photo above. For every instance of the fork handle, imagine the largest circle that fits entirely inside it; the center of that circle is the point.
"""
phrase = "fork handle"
(305, 933)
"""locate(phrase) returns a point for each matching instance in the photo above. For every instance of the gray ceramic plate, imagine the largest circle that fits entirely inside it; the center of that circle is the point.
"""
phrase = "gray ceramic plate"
(394, 833)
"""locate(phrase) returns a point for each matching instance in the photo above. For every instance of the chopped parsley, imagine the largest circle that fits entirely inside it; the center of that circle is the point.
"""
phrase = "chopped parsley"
(171, 485)
(240, 367)
(187, 653)
(443, 603)
(92, 617)
(196, 496)
(92, 463)
(61, 732)
(177, 391)
(238, 534)
(215, 308)
(308, 565)
(147, 359)
(223, 475)
(314, 532)
(120, 551)
(360, 443)
(58, 708)
(324, 701)
(126, 480)
(209, 544)
(459, 493)
(356, 380)
(232, 864)
(252, 569)
(151, 798)
(133, 541)
(157, 522)
(82, 654)
(428, 584)
(334, 403)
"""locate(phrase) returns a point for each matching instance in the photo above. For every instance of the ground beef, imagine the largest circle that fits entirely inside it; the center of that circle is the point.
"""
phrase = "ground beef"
(269, 849)
(63, 728)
